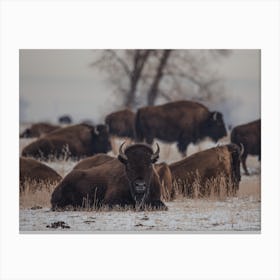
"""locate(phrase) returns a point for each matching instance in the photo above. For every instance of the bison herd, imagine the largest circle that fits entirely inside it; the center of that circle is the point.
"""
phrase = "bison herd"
(135, 177)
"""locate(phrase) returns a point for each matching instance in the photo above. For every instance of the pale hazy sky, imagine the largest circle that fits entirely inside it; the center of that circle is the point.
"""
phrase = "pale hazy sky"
(56, 82)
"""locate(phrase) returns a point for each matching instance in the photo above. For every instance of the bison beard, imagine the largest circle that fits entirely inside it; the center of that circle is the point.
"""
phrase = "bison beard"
(129, 180)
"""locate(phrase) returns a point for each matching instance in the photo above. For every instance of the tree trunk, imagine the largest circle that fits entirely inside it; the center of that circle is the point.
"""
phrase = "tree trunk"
(140, 58)
(153, 92)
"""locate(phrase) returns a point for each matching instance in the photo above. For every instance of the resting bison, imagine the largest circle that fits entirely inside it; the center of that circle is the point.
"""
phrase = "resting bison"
(165, 177)
(92, 161)
(121, 123)
(183, 122)
(249, 135)
(129, 180)
(33, 172)
(206, 168)
(38, 129)
(72, 141)
(162, 170)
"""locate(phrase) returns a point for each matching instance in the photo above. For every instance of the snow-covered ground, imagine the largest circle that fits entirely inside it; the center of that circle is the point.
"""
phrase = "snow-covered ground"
(183, 215)
(240, 213)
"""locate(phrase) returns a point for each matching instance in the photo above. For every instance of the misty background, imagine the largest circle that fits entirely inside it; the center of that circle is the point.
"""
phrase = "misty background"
(89, 84)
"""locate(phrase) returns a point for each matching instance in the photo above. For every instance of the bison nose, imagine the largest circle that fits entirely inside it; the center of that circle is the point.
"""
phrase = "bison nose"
(139, 186)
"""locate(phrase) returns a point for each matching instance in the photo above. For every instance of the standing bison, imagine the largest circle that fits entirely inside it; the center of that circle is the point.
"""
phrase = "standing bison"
(73, 141)
(248, 135)
(121, 123)
(129, 180)
(38, 129)
(183, 122)
(212, 167)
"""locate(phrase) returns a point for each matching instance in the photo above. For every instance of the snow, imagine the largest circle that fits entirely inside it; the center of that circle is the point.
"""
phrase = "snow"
(184, 215)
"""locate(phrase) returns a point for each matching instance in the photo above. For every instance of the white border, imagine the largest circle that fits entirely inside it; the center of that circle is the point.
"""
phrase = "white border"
(158, 24)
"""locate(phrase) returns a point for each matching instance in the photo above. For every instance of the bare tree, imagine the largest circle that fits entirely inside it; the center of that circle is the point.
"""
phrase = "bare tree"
(125, 68)
(153, 92)
(139, 59)
(167, 74)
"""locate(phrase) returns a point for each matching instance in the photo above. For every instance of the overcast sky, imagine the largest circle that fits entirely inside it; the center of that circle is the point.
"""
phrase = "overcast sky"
(56, 82)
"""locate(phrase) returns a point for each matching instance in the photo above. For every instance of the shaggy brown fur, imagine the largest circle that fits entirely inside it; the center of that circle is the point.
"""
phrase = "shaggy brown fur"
(202, 167)
(162, 170)
(73, 141)
(38, 130)
(165, 178)
(183, 122)
(34, 171)
(115, 182)
(121, 123)
(92, 161)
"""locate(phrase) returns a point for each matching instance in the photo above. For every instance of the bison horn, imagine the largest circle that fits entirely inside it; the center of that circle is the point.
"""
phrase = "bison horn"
(215, 116)
(242, 150)
(121, 153)
(96, 130)
(155, 155)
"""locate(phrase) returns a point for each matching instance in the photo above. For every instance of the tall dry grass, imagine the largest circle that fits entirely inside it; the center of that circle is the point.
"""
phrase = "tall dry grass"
(33, 194)
(213, 188)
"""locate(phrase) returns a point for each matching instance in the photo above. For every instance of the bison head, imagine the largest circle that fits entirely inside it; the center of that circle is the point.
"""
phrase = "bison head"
(215, 126)
(101, 141)
(138, 160)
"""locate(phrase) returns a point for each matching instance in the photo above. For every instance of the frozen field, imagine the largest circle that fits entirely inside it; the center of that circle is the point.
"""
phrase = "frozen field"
(186, 215)
(240, 213)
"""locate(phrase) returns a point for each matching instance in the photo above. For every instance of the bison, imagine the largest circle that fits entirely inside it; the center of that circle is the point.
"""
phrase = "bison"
(183, 122)
(65, 119)
(38, 130)
(92, 161)
(35, 172)
(121, 123)
(165, 177)
(248, 135)
(129, 180)
(206, 168)
(73, 141)
(162, 170)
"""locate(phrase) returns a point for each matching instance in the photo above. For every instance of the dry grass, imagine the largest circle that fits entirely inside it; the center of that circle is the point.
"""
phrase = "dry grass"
(37, 195)
(106, 208)
(34, 194)
(213, 188)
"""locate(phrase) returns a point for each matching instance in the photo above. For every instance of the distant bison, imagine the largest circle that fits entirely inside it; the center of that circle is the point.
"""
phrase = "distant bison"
(38, 129)
(161, 169)
(183, 122)
(249, 135)
(208, 167)
(73, 141)
(129, 180)
(34, 172)
(65, 119)
(121, 123)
